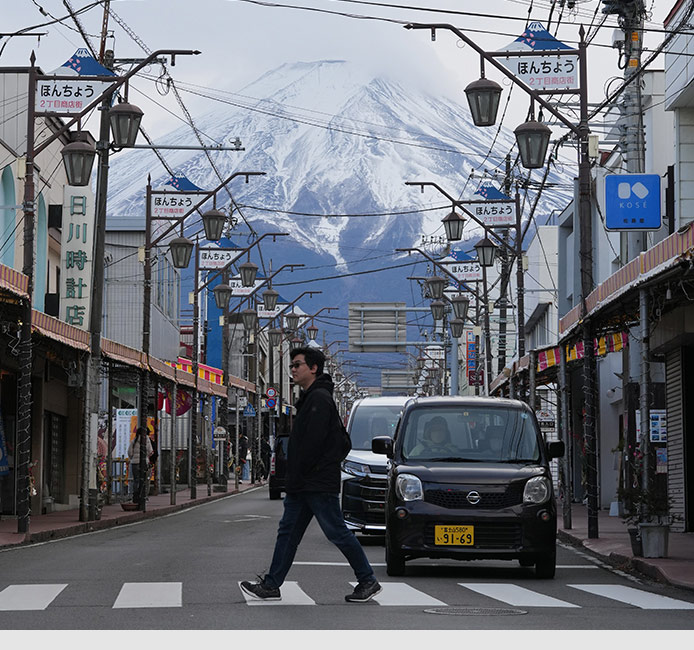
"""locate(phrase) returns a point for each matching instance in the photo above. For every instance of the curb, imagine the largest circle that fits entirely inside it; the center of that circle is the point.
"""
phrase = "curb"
(125, 518)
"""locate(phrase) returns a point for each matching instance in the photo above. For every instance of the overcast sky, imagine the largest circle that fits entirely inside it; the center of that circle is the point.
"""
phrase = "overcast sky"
(242, 39)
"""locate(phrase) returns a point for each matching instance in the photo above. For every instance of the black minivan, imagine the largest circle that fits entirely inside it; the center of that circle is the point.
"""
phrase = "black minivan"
(469, 479)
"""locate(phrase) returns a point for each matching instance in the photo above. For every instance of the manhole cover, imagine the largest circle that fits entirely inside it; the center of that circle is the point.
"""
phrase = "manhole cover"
(475, 611)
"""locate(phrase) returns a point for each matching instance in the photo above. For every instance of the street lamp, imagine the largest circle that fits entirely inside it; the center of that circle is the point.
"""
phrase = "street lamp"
(436, 285)
(486, 250)
(214, 221)
(453, 225)
(249, 318)
(533, 139)
(222, 294)
(312, 332)
(483, 97)
(78, 159)
(457, 326)
(275, 336)
(292, 320)
(181, 251)
(437, 309)
(270, 297)
(460, 304)
(125, 124)
(248, 272)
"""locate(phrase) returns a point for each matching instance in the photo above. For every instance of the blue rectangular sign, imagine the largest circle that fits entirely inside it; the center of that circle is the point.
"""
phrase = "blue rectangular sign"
(632, 202)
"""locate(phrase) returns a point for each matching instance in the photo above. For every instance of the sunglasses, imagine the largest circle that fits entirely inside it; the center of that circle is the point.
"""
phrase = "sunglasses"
(296, 364)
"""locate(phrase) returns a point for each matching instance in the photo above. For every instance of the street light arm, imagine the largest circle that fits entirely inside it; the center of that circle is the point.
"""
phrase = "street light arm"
(460, 205)
(207, 196)
(579, 131)
(243, 252)
(285, 307)
(118, 82)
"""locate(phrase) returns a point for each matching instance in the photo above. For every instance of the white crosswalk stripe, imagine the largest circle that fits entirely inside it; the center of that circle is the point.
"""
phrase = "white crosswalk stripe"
(397, 594)
(149, 594)
(635, 597)
(515, 595)
(28, 597)
(292, 594)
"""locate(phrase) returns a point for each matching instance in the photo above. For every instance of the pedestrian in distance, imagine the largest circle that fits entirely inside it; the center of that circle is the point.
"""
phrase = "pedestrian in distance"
(134, 456)
(243, 457)
(317, 445)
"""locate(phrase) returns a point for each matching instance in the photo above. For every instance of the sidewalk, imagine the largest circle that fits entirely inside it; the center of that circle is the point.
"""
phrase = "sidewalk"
(66, 522)
(614, 547)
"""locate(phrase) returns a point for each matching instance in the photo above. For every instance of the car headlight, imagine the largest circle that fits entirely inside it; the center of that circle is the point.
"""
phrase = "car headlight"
(409, 487)
(537, 490)
(355, 469)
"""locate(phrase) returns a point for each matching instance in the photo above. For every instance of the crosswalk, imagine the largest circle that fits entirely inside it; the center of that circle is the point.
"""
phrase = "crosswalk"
(138, 595)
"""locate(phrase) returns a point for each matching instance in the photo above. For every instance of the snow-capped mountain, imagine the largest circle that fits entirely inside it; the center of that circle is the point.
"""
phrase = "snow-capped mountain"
(332, 140)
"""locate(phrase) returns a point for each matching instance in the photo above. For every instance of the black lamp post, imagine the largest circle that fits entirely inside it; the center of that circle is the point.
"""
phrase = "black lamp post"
(485, 254)
(457, 326)
(222, 294)
(249, 318)
(275, 336)
(125, 124)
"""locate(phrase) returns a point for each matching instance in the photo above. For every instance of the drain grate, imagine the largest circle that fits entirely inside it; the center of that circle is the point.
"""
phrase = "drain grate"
(475, 611)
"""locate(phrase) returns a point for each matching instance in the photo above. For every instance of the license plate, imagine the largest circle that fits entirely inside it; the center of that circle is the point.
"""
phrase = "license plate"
(454, 535)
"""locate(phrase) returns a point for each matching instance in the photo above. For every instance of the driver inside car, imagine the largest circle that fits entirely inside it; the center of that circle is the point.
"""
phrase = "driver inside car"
(436, 440)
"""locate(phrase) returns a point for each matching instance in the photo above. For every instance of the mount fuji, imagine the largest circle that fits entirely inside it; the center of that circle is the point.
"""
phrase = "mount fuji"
(337, 145)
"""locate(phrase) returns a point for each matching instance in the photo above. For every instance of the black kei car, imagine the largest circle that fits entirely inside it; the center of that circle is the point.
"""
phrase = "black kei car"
(278, 467)
(469, 479)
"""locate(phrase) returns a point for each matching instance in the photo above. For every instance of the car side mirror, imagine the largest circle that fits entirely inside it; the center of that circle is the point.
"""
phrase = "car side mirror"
(555, 449)
(382, 445)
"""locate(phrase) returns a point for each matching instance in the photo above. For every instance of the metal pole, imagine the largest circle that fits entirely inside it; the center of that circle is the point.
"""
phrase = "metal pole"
(172, 460)
(26, 354)
(565, 434)
(520, 282)
(194, 408)
(146, 325)
(223, 466)
(644, 393)
(487, 334)
(237, 463)
(532, 371)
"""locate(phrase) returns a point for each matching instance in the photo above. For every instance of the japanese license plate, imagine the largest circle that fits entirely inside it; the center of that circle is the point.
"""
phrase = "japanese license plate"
(454, 535)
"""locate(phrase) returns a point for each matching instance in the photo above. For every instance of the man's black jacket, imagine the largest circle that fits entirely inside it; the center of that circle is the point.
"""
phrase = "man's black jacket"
(315, 443)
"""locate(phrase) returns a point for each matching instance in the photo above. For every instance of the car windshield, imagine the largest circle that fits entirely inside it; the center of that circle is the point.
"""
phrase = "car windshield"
(476, 434)
(370, 420)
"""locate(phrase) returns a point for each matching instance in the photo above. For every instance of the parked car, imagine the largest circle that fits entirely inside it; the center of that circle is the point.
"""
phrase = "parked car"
(363, 472)
(469, 479)
(278, 467)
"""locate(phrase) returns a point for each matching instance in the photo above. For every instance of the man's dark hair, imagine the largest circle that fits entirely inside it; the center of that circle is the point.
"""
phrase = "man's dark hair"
(312, 356)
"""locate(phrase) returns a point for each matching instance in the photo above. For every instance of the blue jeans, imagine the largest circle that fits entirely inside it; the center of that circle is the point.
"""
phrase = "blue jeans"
(299, 509)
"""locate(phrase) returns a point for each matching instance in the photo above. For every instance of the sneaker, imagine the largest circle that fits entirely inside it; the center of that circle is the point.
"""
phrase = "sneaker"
(364, 592)
(259, 591)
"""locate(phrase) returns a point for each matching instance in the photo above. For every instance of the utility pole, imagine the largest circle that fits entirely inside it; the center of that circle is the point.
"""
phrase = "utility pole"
(503, 286)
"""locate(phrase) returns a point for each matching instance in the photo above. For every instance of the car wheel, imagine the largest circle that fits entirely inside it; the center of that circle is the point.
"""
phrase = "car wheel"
(275, 494)
(546, 565)
(395, 561)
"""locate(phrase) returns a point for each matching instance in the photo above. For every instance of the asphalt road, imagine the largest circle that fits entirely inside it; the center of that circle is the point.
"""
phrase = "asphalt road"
(181, 572)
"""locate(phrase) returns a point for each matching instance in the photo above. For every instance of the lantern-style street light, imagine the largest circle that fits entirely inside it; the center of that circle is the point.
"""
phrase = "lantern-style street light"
(78, 159)
(222, 295)
(457, 326)
(453, 225)
(533, 139)
(437, 309)
(270, 297)
(213, 221)
(483, 98)
(312, 332)
(486, 251)
(125, 121)
(248, 272)
(292, 319)
(181, 249)
(460, 304)
(436, 285)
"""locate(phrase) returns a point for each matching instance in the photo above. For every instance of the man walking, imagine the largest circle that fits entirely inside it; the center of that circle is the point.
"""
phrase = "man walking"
(313, 484)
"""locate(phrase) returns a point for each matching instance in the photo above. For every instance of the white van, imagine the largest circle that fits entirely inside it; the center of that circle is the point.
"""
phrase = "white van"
(363, 472)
